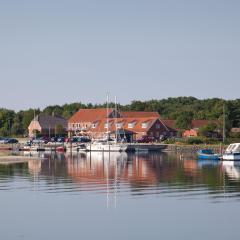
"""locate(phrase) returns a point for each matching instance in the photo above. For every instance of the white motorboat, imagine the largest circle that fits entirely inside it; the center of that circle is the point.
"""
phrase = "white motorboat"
(106, 146)
(232, 152)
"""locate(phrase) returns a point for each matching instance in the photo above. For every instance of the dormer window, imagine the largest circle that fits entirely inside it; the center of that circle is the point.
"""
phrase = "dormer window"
(94, 125)
(144, 125)
(107, 125)
(131, 125)
(119, 125)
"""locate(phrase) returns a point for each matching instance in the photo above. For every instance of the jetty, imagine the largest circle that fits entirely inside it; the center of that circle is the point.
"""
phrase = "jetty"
(5, 160)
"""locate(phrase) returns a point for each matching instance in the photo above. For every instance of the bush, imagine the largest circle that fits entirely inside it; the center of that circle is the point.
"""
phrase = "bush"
(194, 140)
(170, 141)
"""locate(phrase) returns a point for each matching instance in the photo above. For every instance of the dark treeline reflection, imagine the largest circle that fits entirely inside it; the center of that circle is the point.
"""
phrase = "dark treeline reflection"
(130, 173)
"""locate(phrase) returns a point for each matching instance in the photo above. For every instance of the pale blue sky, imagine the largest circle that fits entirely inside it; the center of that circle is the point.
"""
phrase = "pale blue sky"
(62, 51)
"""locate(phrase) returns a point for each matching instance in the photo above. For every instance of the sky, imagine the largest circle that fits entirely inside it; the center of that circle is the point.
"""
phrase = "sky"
(64, 51)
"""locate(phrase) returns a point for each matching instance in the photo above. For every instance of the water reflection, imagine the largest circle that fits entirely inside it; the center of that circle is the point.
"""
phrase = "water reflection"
(121, 174)
(232, 169)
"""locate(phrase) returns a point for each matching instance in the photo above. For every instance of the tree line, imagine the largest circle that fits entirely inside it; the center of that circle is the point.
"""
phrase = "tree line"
(181, 109)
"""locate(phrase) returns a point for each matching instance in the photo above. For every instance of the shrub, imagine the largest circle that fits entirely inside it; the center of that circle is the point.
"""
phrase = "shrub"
(194, 140)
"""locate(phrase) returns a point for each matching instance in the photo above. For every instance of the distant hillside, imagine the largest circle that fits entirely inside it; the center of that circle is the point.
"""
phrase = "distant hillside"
(16, 123)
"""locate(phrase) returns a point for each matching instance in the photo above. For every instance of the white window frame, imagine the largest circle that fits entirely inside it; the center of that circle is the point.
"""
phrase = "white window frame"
(145, 125)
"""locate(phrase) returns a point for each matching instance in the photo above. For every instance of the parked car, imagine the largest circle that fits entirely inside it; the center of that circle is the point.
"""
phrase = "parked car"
(84, 139)
(38, 141)
(163, 138)
(11, 141)
(61, 139)
(54, 139)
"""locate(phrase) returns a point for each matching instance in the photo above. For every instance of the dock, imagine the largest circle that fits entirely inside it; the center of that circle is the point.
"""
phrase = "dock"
(5, 160)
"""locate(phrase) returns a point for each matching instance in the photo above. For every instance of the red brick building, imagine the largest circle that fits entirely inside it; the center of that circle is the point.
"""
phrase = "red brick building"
(131, 125)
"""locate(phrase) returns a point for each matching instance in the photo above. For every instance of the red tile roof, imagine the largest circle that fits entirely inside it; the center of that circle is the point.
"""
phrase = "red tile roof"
(89, 115)
(169, 123)
(201, 123)
(195, 123)
(124, 121)
(140, 114)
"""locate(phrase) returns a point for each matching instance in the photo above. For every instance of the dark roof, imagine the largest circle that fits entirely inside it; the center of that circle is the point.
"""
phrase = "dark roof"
(47, 121)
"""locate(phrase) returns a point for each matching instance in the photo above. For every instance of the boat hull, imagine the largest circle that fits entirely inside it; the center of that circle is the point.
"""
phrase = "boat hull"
(231, 157)
(106, 148)
(208, 155)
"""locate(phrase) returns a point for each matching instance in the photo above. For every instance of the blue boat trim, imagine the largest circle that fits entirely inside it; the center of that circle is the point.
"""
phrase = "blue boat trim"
(208, 154)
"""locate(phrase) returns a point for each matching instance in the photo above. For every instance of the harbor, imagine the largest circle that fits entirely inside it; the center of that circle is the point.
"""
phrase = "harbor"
(117, 183)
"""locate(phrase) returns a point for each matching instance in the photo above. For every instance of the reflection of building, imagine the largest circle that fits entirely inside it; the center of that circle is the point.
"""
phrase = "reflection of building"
(47, 125)
(133, 169)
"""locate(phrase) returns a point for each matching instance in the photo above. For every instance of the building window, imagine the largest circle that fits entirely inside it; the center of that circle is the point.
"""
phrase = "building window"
(119, 125)
(144, 125)
(94, 125)
(158, 126)
(131, 125)
(107, 125)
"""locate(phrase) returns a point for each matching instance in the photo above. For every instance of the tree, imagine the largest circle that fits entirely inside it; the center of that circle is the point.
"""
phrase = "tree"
(208, 130)
(184, 121)
(17, 127)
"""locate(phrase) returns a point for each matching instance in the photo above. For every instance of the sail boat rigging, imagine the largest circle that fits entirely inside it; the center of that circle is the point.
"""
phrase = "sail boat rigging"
(107, 145)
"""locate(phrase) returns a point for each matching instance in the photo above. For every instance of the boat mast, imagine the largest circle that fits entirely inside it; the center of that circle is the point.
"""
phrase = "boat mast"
(34, 124)
(116, 131)
(107, 117)
(224, 124)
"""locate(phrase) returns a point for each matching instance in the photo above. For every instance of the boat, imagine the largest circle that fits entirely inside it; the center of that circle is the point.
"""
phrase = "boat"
(208, 154)
(77, 148)
(60, 149)
(106, 146)
(232, 152)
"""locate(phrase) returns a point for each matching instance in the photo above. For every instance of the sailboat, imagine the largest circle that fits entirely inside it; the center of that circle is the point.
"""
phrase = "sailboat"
(108, 145)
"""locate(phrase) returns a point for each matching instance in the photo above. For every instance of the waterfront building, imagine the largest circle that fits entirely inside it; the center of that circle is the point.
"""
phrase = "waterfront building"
(131, 125)
(47, 125)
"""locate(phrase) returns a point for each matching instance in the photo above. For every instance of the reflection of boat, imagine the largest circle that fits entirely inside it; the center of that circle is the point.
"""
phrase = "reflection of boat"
(232, 153)
(107, 146)
(114, 156)
(77, 148)
(34, 166)
(208, 154)
(207, 163)
(232, 169)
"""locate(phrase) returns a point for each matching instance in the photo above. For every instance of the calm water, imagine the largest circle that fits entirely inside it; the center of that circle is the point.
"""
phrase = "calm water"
(119, 196)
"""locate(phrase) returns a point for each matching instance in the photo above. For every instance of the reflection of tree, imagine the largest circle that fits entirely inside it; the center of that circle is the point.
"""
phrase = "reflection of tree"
(12, 170)
(137, 171)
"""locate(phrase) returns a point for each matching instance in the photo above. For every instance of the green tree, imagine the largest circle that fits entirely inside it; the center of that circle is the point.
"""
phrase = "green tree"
(184, 121)
(208, 130)
(17, 127)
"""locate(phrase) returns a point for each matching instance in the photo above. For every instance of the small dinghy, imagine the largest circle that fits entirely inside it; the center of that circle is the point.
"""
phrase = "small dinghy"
(208, 154)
